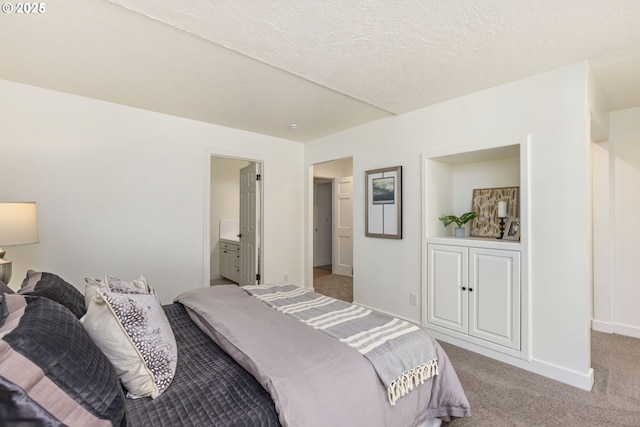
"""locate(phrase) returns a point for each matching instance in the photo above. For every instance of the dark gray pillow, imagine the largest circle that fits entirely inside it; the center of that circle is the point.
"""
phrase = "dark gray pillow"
(55, 288)
(51, 372)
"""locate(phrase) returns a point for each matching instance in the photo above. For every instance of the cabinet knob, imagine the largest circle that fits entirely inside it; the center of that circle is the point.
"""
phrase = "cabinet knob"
(464, 288)
(470, 289)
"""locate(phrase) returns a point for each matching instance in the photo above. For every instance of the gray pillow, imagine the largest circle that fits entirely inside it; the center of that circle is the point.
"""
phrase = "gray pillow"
(51, 372)
(55, 288)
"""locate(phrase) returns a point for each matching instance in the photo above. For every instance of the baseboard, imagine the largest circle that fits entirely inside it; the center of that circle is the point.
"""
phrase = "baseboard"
(582, 381)
(599, 326)
(615, 328)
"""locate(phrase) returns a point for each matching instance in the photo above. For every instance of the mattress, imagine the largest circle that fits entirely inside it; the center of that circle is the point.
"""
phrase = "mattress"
(209, 387)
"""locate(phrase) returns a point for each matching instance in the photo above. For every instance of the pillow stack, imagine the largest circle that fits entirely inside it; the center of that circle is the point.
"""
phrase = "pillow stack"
(127, 322)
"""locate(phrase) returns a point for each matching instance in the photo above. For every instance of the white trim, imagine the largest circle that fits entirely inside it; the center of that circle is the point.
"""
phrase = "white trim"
(600, 326)
(616, 328)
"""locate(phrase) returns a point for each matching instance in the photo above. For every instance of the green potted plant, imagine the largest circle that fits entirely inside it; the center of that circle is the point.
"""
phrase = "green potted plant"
(460, 221)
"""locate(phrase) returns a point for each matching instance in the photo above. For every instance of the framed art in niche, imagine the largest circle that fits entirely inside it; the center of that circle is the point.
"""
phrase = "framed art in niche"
(484, 202)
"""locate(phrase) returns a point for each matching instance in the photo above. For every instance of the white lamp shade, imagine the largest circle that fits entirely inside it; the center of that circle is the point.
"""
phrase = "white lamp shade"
(18, 223)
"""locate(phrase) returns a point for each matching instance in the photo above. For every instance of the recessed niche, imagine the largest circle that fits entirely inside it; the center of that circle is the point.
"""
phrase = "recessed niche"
(452, 175)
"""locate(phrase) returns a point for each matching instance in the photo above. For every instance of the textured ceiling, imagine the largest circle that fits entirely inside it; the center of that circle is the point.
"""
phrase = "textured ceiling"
(325, 65)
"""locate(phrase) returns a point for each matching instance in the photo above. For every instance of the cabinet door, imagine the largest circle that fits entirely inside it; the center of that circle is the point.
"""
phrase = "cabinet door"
(223, 263)
(447, 303)
(494, 296)
(234, 261)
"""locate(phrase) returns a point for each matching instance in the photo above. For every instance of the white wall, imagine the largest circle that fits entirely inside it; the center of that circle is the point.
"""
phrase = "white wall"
(334, 169)
(490, 174)
(602, 228)
(617, 295)
(122, 190)
(552, 108)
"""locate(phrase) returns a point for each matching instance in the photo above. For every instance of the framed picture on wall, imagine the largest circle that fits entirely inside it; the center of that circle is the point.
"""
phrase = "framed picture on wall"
(384, 203)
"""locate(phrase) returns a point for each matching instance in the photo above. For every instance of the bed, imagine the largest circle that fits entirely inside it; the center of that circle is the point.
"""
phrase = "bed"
(215, 382)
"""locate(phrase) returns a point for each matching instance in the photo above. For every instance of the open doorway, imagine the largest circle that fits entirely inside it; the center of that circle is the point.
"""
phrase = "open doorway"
(333, 228)
(235, 218)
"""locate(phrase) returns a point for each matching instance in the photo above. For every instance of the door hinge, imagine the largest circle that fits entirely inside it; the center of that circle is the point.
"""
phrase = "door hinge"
(258, 277)
(258, 177)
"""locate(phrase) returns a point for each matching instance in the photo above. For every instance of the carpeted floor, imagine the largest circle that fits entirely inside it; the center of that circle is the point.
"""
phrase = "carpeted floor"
(503, 395)
(332, 285)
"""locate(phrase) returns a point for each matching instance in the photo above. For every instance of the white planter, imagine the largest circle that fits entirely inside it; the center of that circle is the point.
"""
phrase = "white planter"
(460, 232)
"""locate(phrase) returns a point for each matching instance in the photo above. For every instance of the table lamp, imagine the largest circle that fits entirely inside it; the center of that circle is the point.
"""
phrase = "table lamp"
(18, 226)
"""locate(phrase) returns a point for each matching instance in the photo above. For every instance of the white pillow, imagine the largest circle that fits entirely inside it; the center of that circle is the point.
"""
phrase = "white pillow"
(127, 322)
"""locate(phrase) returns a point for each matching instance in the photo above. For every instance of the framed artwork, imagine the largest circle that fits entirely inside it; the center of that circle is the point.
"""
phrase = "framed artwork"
(512, 230)
(485, 203)
(384, 203)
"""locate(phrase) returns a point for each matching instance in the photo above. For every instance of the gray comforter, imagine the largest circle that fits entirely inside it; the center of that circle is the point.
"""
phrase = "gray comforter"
(313, 379)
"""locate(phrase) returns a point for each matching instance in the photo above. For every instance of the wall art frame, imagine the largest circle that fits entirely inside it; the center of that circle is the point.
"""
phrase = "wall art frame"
(484, 202)
(383, 209)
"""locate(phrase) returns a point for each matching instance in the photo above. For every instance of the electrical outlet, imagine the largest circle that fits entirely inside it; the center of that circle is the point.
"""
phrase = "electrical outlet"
(413, 299)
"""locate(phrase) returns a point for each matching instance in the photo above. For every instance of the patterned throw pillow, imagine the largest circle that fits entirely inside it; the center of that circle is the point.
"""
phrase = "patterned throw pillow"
(127, 322)
(114, 284)
(55, 288)
(51, 372)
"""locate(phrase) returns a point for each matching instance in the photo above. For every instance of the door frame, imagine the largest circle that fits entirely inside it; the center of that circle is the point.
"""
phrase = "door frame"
(210, 152)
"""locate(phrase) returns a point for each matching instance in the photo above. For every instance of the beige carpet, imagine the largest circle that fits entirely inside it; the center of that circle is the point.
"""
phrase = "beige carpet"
(502, 395)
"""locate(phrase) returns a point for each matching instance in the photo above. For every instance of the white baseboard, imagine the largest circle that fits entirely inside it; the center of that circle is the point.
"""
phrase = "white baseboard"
(582, 381)
(599, 326)
(615, 328)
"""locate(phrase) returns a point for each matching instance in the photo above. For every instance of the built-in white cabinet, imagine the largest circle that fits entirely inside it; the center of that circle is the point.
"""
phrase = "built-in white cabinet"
(230, 260)
(473, 292)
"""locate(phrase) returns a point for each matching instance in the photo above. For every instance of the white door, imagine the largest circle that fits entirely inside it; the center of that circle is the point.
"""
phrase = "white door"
(343, 226)
(250, 191)
(447, 282)
(494, 296)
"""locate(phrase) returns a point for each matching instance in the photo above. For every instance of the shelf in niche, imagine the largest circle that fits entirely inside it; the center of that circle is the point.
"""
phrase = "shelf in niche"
(477, 242)
(452, 174)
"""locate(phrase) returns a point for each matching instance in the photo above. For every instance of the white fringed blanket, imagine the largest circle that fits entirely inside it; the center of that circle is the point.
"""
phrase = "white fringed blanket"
(402, 353)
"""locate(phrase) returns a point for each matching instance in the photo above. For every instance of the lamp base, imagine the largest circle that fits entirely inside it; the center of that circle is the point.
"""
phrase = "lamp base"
(5, 268)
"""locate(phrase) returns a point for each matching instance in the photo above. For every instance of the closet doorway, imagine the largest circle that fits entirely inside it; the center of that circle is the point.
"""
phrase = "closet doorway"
(235, 218)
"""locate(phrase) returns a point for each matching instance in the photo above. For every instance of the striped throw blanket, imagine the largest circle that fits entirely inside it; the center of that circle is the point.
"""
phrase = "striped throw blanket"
(402, 353)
